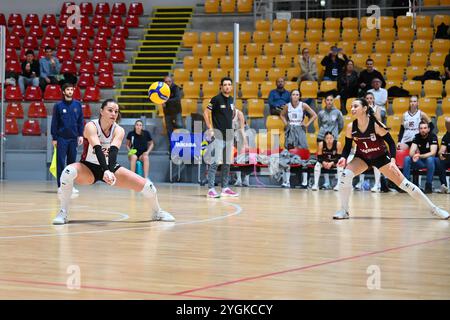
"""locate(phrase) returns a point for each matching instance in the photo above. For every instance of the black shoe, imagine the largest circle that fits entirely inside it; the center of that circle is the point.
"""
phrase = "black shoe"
(428, 188)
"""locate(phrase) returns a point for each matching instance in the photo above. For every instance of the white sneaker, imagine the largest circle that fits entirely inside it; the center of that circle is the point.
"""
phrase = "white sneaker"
(74, 190)
(336, 187)
(246, 182)
(443, 189)
(441, 213)
(315, 187)
(61, 218)
(162, 215)
(326, 186)
(375, 188)
(238, 183)
(341, 214)
(285, 185)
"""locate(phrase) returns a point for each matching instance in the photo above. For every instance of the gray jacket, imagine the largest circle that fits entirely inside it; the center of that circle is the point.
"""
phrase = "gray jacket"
(330, 121)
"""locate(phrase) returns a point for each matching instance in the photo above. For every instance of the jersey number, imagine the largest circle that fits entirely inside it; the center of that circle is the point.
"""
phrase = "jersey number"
(365, 144)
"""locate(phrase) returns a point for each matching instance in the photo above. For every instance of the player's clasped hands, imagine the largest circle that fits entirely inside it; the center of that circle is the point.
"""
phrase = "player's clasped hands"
(342, 162)
(109, 178)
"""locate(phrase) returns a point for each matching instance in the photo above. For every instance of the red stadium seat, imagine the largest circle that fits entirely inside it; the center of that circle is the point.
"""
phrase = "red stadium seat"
(304, 154)
(105, 67)
(105, 80)
(23, 54)
(69, 66)
(14, 66)
(119, 8)
(136, 8)
(98, 21)
(80, 55)
(63, 20)
(53, 92)
(400, 157)
(11, 54)
(32, 20)
(19, 31)
(87, 66)
(14, 110)
(15, 19)
(117, 55)
(65, 6)
(91, 94)
(98, 55)
(117, 43)
(83, 43)
(86, 8)
(36, 30)
(70, 32)
(13, 93)
(87, 31)
(37, 110)
(87, 114)
(48, 20)
(63, 54)
(53, 31)
(31, 42)
(33, 93)
(2, 20)
(104, 31)
(77, 93)
(100, 43)
(132, 21)
(102, 8)
(41, 54)
(65, 42)
(11, 126)
(31, 128)
(121, 31)
(115, 21)
(48, 41)
(13, 41)
(86, 80)
(84, 20)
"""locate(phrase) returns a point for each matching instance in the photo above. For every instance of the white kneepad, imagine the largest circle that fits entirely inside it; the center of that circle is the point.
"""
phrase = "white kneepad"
(347, 178)
(149, 189)
(68, 175)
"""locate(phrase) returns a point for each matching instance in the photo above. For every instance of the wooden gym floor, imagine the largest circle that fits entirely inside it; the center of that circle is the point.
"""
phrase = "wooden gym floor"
(267, 244)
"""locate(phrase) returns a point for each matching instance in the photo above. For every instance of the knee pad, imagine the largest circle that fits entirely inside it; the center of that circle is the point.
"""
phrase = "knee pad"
(68, 175)
(347, 178)
(149, 189)
(317, 167)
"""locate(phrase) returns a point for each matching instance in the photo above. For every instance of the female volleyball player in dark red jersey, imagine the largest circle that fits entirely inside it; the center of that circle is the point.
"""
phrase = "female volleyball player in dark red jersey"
(371, 137)
(102, 140)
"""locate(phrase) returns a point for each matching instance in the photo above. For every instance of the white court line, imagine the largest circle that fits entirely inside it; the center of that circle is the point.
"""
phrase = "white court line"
(237, 211)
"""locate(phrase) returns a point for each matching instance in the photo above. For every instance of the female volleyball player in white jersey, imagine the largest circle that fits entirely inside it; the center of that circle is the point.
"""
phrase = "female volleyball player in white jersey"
(371, 136)
(102, 140)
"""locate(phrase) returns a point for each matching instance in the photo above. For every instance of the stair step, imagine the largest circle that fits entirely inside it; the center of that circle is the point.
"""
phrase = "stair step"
(168, 25)
(139, 85)
(135, 99)
(172, 15)
(162, 40)
(152, 60)
(132, 92)
(174, 9)
(147, 73)
(146, 79)
(169, 20)
(150, 67)
(168, 54)
(164, 32)
(156, 48)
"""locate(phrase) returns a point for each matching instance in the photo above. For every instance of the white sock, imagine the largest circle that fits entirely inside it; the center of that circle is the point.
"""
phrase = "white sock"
(286, 177)
(338, 175)
(415, 192)
(317, 171)
(361, 180)
(247, 180)
(238, 176)
(345, 188)
(305, 178)
(149, 191)
(68, 176)
(327, 179)
(377, 175)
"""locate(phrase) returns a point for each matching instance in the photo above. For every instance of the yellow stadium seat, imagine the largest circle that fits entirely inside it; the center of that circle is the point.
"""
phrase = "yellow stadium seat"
(200, 50)
(437, 58)
(332, 24)
(227, 6)
(433, 88)
(266, 87)
(349, 23)
(324, 47)
(414, 87)
(260, 37)
(298, 24)
(402, 46)
(190, 39)
(279, 24)
(249, 90)
(439, 68)
(275, 73)
(271, 49)
(423, 21)
(404, 22)
(314, 35)
(282, 61)
(257, 75)
(207, 38)
(405, 33)
(386, 22)
(326, 86)
(296, 36)
(314, 23)
(364, 47)
(447, 88)
(289, 49)
(225, 37)
(253, 49)
(188, 106)
(428, 105)
(209, 63)
(309, 89)
(351, 35)
(218, 49)
(425, 33)
(400, 105)
(291, 85)
(346, 46)
(211, 6)
(246, 62)
(413, 71)
(379, 61)
(181, 75)
(441, 18)
(274, 122)
(278, 36)
(359, 60)
(446, 105)
(245, 37)
(311, 140)
(239, 104)
(368, 34)
(226, 62)
(312, 47)
(210, 89)
(387, 34)
(399, 59)
(200, 75)
(331, 35)
(394, 122)
(441, 124)
(262, 25)
(320, 68)
(394, 73)
(383, 46)
(255, 108)
(418, 59)
(191, 90)
(264, 62)
(391, 83)
(420, 45)
(441, 45)
(245, 6)
(218, 73)
(348, 106)
(428, 3)
(190, 62)
(292, 73)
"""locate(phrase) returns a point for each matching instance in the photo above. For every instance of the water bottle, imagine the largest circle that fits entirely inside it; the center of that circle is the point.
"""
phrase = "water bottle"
(139, 169)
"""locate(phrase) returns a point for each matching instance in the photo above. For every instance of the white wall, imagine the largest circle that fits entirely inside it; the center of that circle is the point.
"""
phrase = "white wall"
(54, 6)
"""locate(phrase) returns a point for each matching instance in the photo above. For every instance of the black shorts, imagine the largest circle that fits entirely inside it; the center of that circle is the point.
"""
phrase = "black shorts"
(97, 170)
(377, 162)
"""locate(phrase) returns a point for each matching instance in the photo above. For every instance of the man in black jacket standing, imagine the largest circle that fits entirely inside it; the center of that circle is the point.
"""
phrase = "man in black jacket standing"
(366, 77)
(172, 107)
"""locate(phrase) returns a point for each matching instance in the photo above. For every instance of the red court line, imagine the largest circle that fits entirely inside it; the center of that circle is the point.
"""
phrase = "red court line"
(308, 267)
(63, 285)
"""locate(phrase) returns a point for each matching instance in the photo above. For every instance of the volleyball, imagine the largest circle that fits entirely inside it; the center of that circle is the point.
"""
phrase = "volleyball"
(158, 92)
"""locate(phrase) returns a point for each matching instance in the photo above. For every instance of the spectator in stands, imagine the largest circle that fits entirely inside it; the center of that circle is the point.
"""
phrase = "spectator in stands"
(30, 72)
(447, 66)
(443, 162)
(330, 119)
(67, 130)
(347, 84)
(422, 154)
(366, 76)
(278, 98)
(49, 69)
(308, 67)
(334, 63)
(381, 97)
(172, 107)
(139, 145)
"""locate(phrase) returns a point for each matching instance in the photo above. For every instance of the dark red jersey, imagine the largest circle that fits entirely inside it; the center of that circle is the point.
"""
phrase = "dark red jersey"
(330, 155)
(369, 145)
